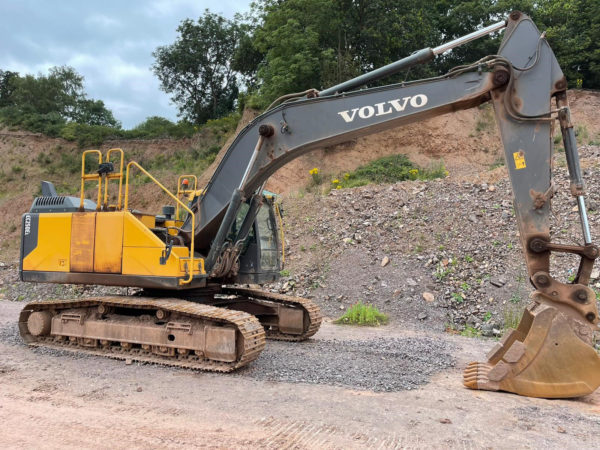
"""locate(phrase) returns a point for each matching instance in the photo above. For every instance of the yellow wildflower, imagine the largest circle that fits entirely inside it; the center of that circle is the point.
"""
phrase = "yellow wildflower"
(338, 186)
(346, 176)
(413, 171)
(314, 171)
(336, 181)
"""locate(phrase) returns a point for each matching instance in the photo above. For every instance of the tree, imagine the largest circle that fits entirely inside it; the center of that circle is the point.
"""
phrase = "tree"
(46, 103)
(197, 68)
(93, 112)
(7, 86)
(573, 30)
(295, 37)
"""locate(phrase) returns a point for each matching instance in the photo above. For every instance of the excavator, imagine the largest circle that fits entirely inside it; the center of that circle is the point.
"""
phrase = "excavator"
(198, 263)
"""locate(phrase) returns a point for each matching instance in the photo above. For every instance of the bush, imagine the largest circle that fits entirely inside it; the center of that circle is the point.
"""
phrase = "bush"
(159, 127)
(363, 314)
(389, 169)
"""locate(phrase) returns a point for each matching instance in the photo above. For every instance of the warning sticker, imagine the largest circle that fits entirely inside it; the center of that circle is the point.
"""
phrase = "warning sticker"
(519, 158)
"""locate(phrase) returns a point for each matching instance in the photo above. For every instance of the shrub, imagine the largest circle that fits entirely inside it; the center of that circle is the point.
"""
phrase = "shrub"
(363, 314)
(390, 169)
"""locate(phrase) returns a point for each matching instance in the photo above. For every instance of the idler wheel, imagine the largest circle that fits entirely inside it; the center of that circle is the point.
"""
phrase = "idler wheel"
(39, 323)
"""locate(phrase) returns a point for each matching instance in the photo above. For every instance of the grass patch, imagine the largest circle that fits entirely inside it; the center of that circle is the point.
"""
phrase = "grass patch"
(363, 314)
(512, 317)
(389, 169)
(582, 134)
(485, 119)
(470, 331)
(499, 162)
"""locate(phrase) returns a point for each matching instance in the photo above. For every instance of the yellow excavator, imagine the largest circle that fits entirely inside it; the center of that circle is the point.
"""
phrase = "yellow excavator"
(193, 260)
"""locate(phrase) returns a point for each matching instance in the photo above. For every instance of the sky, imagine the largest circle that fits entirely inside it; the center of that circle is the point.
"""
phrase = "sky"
(109, 42)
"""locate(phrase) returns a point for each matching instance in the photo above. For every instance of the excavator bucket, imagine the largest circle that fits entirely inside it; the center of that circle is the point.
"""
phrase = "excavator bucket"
(549, 355)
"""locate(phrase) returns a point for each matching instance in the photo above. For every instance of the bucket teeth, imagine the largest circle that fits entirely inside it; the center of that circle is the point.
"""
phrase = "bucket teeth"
(549, 355)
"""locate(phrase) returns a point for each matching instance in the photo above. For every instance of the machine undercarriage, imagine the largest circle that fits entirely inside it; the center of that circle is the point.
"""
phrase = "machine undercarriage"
(220, 335)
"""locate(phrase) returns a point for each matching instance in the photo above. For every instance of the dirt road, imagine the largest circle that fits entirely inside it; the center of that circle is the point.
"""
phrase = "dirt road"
(55, 400)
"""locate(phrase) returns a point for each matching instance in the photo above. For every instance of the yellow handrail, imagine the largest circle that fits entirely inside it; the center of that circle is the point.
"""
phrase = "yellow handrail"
(185, 191)
(90, 176)
(114, 175)
(179, 202)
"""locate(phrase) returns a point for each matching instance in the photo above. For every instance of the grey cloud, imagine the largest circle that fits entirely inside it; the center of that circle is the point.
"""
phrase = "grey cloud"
(110, 43)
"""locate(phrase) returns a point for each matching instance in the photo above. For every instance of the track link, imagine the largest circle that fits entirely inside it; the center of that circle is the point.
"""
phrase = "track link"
(311, 309)
(247, 325)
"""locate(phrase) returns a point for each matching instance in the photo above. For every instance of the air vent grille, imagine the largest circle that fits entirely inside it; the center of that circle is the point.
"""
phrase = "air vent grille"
(50, 201)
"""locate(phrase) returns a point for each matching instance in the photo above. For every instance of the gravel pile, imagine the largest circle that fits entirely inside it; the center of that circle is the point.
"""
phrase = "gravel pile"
(381, 364)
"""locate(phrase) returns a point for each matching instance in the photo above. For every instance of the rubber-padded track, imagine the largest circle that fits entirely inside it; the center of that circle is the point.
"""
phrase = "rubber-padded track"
(247, 325)
(313, 311)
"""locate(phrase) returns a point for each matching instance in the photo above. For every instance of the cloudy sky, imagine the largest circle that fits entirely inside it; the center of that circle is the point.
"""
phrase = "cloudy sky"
(109, 42)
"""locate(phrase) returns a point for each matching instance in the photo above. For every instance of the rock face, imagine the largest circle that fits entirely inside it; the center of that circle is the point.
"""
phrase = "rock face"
(448, 250)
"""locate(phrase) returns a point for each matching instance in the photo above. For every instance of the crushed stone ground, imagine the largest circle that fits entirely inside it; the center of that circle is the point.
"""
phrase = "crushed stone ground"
(381, 364)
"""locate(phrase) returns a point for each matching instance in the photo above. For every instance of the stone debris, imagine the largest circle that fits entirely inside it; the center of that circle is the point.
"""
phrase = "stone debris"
(428, 296)
(457, 241)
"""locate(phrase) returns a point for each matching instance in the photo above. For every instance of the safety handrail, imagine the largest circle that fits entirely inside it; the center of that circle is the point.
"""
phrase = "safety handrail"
(114, 175)
(102, 201)
(179, 202)
(184, 191)
(90, 176)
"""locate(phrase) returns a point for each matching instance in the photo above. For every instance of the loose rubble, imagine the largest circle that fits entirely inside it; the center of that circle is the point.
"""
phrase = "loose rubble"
(381, 364)
(436, 254)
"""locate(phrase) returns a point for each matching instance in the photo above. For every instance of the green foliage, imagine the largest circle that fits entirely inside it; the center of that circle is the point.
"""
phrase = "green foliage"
(197, 68)
(300, 44)
(292, 39)
(7, 87)
(363, 314)
(573, 31)
(319, 43)
(470, 331)
(159, 127)
(457, 297)
(316, 178)
(515, 297)
(582, 134)
(442, 271)
(512, 317)
(46, 103)
(389, 169)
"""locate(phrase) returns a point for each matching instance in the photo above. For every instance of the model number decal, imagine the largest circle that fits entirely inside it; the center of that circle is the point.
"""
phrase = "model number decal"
(27, 225)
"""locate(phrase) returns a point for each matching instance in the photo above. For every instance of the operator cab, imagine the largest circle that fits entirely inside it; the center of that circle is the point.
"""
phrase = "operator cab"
(260, 260)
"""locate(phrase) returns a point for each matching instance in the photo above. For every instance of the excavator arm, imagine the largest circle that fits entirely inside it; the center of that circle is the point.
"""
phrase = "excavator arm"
(551, 353)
